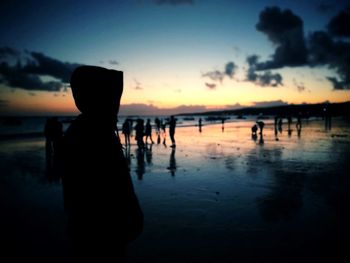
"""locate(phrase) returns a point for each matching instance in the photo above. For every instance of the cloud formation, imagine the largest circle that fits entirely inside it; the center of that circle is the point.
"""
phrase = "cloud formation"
(211, 86)
(339, 25)
(264, 79)
(285, 30)
(150, 109)
(216, 75)
(324, 50)
(330, 48)
(113, 62)
(299, 85)
(137, 85)
(26, 70)
(269, 103)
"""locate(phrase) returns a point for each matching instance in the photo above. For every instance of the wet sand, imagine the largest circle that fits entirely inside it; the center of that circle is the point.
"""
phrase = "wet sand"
(218, 197)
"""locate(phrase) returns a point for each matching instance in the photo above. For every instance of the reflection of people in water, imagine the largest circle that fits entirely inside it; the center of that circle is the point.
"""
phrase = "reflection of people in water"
(172, 162)
(102, 208)
(140, 168)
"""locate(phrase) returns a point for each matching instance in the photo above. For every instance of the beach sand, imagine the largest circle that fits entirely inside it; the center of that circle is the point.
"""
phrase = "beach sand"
(218, 197)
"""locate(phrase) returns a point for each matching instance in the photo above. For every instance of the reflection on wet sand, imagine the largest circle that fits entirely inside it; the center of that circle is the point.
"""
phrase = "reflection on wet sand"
(238, 199)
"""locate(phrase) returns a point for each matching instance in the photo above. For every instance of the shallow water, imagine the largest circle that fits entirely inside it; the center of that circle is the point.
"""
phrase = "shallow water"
(218, 197)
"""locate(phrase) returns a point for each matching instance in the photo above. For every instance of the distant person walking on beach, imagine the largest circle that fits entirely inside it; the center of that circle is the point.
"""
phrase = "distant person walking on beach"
(53, 133)
(163, 127)
(148, 131)
(172, 126)
(200, 124)
(298, 125)
(280, 122)
(157, 122)
(222, 124)
(139, 129)
(126, 130)
(261, 125)
(99, 198)
(289, 125)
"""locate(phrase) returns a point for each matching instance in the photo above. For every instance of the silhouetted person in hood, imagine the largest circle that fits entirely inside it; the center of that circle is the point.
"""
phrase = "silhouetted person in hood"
(103, 210)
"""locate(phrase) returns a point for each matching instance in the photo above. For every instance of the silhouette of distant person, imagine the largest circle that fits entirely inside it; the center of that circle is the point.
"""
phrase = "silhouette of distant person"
(327, 118)
(157, 122)
(222, 124)
(261, 125)
(126, 130)
(148, 131)
(254, 132)
(139, 129)
(280, 125)
(298, 125)
(276, 130)
(172, 126)
(53, 133)
(289, 125)
(163, 127)
(200, 124)
(102, 207)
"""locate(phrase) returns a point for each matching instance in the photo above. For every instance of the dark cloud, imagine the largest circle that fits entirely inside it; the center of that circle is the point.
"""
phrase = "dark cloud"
(5, 52)
(210, 85)
(270, 103)
(285, 30)
(113, 62)
(230, 69)
(325, 7)
(263, 79)
(216, 75)
(339, 25)
(26, 69)
(325, 51)
(173, 2)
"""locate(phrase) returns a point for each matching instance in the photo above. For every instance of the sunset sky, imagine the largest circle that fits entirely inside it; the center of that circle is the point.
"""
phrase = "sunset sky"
(177, 55)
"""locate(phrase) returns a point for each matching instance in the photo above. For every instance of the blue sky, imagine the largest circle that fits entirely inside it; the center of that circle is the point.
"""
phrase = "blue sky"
(165, 48)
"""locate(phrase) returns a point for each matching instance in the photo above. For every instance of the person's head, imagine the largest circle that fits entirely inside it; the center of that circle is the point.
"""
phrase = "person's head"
(97, 90)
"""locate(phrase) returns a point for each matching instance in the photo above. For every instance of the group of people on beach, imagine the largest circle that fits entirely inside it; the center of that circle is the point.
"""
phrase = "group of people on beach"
(144, 132)
(278, 122)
